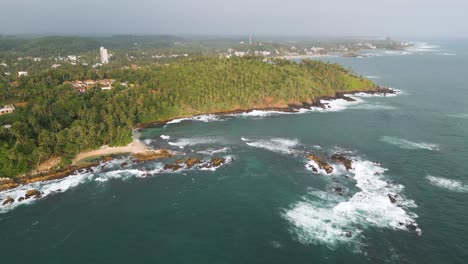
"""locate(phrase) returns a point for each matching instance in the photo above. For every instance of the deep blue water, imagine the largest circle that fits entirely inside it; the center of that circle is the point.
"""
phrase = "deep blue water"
(265, 206)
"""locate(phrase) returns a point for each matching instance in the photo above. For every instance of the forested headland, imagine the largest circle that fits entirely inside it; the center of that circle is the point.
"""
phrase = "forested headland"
(58, 121)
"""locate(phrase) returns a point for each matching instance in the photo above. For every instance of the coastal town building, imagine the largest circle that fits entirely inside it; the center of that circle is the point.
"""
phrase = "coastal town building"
(22, 73)
(7, 109)
(82, 86)
(104, 55)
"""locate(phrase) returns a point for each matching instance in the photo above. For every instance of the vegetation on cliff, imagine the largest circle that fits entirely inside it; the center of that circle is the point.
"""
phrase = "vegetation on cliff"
(60, 121)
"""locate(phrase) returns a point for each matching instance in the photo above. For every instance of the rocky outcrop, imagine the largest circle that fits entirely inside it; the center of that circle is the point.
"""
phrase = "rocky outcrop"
(152, 155)
(172, 167)
(108, 158)
(340, 158)
(32, 193)
(6, 184)
(320, 163)
(392, 197)
(213, 163)
(339, 190)
(8, 200)
(190, 162)
(55, 175)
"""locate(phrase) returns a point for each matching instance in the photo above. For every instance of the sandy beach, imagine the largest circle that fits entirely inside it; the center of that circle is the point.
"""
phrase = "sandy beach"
(135, 147)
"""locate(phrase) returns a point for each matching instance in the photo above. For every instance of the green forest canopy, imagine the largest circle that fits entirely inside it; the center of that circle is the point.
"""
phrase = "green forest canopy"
(59, 121)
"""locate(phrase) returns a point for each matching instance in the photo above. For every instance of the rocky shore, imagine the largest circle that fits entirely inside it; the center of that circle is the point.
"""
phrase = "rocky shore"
(290, 108)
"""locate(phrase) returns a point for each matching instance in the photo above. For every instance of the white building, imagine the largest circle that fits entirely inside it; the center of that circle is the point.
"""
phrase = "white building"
(104, 55)
(7, 109)
(22, 73)
(72, 58)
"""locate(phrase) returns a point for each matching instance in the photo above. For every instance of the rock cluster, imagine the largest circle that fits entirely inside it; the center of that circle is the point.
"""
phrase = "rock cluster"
(8, 200)
(213, 163)
(340, 158)
(152, 155)
(320, 163)
(32, 193)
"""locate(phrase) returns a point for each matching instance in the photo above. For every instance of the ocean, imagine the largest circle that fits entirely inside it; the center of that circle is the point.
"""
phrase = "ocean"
(266, 204)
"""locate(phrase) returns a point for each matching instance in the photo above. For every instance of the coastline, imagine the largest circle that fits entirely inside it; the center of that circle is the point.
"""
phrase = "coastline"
(291, 108)
(135, 147)
(142, 153)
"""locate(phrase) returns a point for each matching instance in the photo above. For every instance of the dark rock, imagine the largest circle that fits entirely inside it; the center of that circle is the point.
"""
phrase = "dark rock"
(172, 167)
(339, 190)
(20, 199)
(124, 164)
(348, 234)
(412, 226)
(8, 200)
(340, 158)
(213, 163)
(392, 197)
(33, 193)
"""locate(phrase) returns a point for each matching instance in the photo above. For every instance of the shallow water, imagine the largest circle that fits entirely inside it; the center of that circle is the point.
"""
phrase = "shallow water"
(267, 205)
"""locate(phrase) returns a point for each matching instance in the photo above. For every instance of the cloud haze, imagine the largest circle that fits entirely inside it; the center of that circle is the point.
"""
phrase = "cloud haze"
(292, 17)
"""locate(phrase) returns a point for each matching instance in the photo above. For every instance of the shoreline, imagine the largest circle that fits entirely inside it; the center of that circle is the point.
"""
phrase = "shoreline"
(135, 147)
(143, 152)
(291, 108)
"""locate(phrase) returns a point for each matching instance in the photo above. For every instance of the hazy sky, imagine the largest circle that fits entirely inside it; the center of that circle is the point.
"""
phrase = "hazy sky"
(445, 18)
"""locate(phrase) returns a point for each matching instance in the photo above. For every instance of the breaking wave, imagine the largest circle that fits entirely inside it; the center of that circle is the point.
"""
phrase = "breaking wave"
(464, 115)
(201, 118)
(446, 54)
(100, 174)
(46, 188)
(328, 219)
(259, 113)
(406, 144)
(165, 137)
(279, 145)
(212, 151)
(449, 184)
(184, 142)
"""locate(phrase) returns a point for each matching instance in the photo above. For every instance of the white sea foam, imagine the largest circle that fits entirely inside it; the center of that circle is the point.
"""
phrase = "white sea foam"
(463, 115)
(446, 54)
(323, 219)
(46, 188)
(311, 165)
(259, 113)
(449, 184)
(184, 142)
(423, 47)
(372, 77)
(147, 141)
(280, 145)
(334, 105)
(212, 151)
(201, 118)
(165, 137)
(406, 144)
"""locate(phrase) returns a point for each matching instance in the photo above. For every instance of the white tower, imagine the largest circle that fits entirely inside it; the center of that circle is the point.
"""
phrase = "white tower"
(104, 55)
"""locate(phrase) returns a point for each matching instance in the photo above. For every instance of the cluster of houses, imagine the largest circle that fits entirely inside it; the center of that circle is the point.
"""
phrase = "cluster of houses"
(82, 86)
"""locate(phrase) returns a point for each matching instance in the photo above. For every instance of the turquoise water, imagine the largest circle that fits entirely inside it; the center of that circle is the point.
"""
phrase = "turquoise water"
(265, 205)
